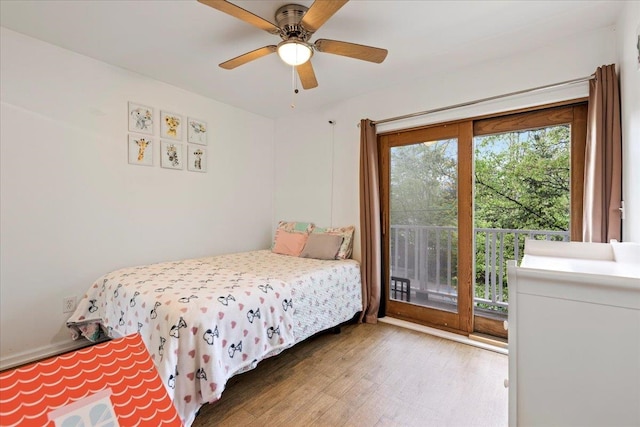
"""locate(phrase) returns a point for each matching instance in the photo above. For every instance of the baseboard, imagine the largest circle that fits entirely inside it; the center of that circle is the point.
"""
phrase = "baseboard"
(442, 334)
(488, 339)
(22, 358)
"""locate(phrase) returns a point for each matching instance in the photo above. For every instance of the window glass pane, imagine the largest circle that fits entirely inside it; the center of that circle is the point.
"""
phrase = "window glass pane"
(99, 413)
(522, 190)
(423, 224)
(73, 421)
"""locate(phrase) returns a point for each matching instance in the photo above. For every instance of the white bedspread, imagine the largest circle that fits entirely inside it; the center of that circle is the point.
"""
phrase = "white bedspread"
(205, 320)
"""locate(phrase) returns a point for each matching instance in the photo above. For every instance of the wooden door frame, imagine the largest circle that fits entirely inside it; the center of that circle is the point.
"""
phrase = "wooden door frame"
(460, 322)
(571, 112)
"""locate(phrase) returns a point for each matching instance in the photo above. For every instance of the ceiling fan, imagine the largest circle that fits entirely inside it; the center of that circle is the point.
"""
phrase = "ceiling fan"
(295, 25)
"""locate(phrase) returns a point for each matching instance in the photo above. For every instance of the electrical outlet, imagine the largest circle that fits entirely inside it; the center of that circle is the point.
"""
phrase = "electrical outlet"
(68, 304)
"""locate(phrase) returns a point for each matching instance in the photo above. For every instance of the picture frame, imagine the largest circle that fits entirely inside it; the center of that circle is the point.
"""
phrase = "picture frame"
(197, 158)
(197, 131)
(141, 118)
(171, 125)
(171, 155)
(140, 150)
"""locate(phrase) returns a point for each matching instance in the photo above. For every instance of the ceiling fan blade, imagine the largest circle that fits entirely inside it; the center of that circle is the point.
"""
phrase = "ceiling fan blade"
(352, 50)
(307, 76)
(248, 57)
(320, 12)
(242, 14)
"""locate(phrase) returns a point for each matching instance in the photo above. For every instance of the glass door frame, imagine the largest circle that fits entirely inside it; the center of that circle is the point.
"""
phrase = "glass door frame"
(573, 113)
(460, 322)
(464, 322)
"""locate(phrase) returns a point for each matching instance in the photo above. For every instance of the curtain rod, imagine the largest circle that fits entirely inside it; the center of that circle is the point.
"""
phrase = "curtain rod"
(477, 101)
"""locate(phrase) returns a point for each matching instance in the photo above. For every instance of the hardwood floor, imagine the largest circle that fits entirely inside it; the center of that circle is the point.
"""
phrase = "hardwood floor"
(369, 375)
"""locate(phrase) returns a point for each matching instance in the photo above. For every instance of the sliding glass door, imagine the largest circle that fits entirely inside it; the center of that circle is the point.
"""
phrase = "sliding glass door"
(450, 225)
(426, 221)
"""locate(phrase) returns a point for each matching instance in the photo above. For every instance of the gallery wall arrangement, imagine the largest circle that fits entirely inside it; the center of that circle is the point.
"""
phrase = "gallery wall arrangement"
(175, 152)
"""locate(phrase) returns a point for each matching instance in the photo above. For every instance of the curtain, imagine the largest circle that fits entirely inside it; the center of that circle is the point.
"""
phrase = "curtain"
(369, 222)
(603, 160)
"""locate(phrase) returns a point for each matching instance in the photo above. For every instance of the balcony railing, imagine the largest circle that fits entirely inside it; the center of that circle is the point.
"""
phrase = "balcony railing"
(427, 255)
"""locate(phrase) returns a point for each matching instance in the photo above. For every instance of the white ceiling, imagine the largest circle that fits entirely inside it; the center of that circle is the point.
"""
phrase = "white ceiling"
(182, 42)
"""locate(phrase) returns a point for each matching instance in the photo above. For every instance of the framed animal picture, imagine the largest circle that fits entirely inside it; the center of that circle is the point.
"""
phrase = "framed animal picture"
(197, 159)
(171, 155)
(140, 118)
(196, 131)
(171, 125)
(140, 150)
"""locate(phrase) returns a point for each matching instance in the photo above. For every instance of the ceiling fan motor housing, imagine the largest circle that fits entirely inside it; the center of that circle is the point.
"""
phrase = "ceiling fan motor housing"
(288, 18)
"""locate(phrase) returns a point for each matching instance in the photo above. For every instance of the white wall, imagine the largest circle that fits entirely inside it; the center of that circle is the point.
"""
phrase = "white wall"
(310, 164)
(309, 144)
(72, 208)
(629, 71)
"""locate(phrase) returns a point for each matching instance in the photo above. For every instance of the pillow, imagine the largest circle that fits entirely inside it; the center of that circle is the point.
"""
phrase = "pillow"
(346, 249)
(322, 246)
(289, 243)
(293, 227)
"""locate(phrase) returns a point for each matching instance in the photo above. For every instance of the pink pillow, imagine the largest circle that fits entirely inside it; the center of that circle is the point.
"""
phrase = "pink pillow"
(289, 243)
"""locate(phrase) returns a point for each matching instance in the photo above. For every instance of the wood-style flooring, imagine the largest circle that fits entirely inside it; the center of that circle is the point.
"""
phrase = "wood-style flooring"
(369, 375)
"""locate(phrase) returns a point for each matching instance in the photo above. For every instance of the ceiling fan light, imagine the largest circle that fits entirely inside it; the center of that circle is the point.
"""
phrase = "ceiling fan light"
(294, 52)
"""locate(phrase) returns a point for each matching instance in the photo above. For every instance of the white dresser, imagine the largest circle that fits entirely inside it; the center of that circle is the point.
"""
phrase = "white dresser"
(574, 335)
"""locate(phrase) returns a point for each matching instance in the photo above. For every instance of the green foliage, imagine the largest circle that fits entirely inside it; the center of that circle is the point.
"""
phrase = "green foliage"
(522, 180)
(424, 184)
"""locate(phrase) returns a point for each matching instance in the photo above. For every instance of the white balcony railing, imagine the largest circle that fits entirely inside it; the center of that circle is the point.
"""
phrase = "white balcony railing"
(427, 256)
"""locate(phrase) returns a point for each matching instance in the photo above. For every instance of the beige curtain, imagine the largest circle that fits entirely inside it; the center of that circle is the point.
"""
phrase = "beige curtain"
(603, 159)
(369, 222)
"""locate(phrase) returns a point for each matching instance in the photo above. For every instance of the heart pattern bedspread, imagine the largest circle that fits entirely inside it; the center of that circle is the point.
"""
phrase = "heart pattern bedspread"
(202, 323)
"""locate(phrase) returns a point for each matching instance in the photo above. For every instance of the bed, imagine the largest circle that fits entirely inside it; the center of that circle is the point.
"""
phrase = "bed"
(205, 320)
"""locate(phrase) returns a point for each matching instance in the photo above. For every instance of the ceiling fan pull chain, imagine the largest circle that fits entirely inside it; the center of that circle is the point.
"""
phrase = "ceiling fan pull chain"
(295, 86)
